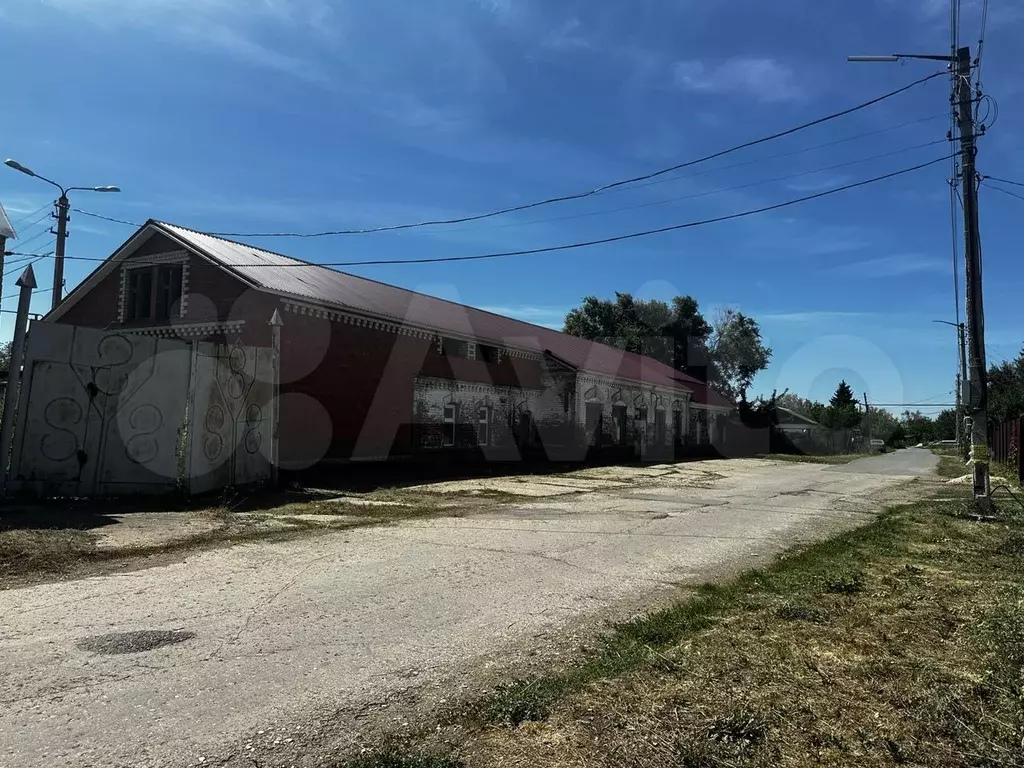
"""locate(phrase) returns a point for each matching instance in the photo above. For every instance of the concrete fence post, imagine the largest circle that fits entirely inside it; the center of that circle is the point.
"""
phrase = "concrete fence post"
(275, 339)
(26, 283)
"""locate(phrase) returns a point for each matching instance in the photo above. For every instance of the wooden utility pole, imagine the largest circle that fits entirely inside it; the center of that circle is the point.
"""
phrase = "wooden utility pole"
(978, 388)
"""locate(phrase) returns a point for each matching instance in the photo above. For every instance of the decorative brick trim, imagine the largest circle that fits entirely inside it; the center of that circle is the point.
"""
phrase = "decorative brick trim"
(191, 329)
(361, 321)
(457, 385)
(183, 302)
(589, 379)
(174, 257)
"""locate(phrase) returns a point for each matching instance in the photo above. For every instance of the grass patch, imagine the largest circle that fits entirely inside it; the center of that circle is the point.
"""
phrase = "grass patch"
(399, 757)
(898, 643)
(43, 551)
(799, 458)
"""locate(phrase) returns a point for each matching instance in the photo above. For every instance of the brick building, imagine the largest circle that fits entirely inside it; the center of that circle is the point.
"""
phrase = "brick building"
(372, 371)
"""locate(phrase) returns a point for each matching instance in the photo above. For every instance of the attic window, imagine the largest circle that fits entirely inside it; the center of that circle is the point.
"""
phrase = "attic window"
(152, 293)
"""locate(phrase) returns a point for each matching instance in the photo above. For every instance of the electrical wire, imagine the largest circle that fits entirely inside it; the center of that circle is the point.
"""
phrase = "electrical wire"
(46, 207)
(105, 218)
(706, 193)
(597, 190)
(1004, 191)
(33, 224)
(1003, 181)
(981, 48)
(668, 180)
(588, 243)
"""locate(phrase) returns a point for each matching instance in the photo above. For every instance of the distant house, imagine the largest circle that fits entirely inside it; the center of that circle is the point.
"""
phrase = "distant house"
(788, 421)
(373, 371)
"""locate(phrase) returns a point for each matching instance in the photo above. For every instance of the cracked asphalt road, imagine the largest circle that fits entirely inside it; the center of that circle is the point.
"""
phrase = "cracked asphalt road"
(288, 633)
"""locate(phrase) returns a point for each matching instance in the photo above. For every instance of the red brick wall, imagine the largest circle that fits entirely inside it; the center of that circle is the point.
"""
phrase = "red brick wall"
(363, 380)
(347, 390)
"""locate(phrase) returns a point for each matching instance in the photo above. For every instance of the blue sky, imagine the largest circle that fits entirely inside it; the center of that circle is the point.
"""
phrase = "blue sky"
(256, 115)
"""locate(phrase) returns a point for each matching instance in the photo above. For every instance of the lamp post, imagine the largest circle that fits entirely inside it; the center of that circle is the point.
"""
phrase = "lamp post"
(62, 224)
(962, 99)
(961, 376)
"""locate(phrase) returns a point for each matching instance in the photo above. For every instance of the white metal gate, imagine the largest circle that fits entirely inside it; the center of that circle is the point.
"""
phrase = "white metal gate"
(104, 413)
(100, 413)
(230, 406)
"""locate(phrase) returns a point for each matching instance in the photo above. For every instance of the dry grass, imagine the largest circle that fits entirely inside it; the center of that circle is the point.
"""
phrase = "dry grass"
(901, 643)
(842, 458)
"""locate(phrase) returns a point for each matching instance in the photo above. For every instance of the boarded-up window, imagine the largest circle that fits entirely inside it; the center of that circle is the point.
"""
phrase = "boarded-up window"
(659, 427)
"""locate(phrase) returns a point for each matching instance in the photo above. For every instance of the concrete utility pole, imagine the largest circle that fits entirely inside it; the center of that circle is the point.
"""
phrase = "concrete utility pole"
(961, 382)
(58, 262)
(26, 283)
(867, 416)
(63, 206)
(978, 392)
(977, 384)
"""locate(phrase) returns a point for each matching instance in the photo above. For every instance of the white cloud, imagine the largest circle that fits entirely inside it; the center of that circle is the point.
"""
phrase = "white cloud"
(894, 266)
(549, 317)
(764, 79)
(229, 26)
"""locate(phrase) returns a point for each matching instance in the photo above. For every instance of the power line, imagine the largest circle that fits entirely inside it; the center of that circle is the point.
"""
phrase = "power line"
(706, 193)
(588, 243)
(45, 207)
(981, 46)
(670, 180)
(1003, 181)
(1004, 191)
(105, 218)
(598, 190)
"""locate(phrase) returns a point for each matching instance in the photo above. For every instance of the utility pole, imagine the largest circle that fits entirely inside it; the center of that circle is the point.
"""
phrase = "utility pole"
(58, 262)
(867, 415)
(978, 389)
(62, 224)
(977, 384)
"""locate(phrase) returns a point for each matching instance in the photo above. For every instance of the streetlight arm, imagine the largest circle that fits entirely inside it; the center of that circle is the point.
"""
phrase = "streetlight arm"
(898, 56)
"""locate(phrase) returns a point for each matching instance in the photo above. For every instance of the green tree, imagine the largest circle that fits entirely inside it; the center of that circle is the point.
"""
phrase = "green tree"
(945, 425)
(1006, 389)
(842, 410)
(676, 335)
(809, 408)
(5, 360)
(727, 356)
(919, 427)
(883, 424)
(738, 352)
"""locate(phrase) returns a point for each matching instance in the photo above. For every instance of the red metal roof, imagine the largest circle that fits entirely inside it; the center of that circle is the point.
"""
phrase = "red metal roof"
(305, 281)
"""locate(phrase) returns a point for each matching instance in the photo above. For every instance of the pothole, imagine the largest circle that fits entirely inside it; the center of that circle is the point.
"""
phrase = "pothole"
(133, 642)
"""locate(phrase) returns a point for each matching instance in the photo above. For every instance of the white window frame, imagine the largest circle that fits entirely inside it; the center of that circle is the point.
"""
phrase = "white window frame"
(483, 422)
(453, 419)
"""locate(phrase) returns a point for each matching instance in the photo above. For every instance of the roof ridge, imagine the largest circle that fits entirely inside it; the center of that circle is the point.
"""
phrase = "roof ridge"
(676, 374)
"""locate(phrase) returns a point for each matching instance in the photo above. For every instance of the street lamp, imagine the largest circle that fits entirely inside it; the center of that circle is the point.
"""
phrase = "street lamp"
(962, 382)
(62, 224)
(962, 100)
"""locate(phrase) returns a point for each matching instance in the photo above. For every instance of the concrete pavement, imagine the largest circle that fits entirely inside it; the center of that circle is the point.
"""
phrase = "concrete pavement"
(275, 637)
